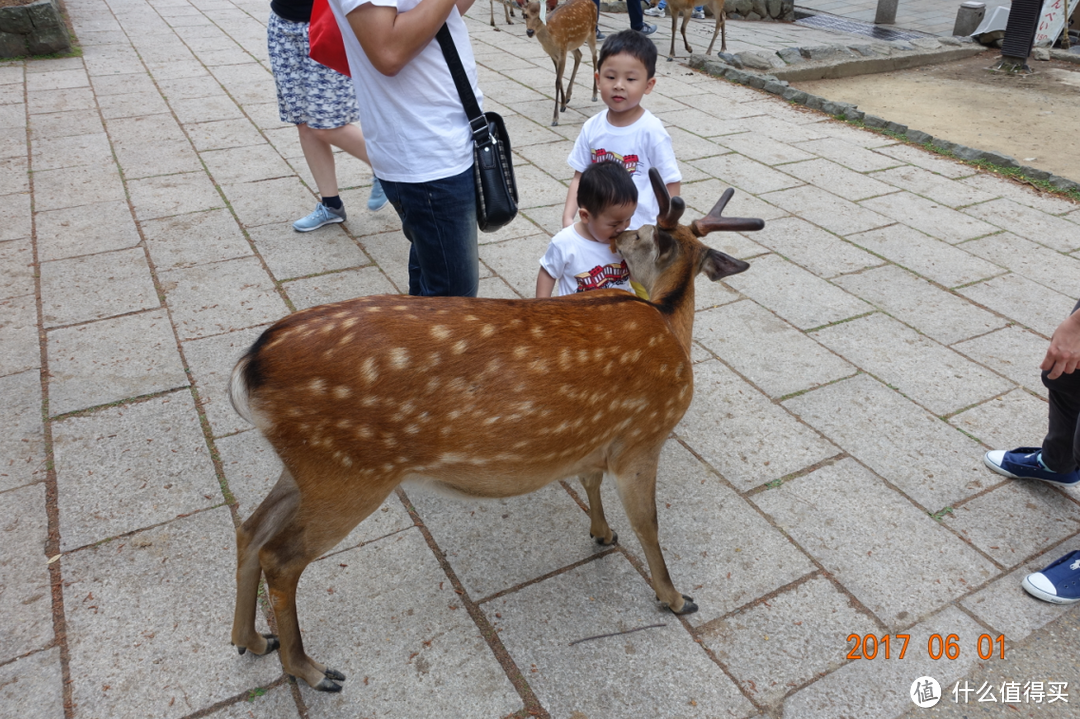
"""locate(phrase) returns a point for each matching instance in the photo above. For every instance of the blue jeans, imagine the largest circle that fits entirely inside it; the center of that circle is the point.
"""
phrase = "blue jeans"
(439, 219)
(637, 15)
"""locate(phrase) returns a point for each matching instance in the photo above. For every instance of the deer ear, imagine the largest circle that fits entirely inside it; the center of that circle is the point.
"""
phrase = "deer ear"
(717, 265)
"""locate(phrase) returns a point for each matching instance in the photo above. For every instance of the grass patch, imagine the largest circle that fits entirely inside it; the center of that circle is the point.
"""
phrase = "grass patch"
(940, 514)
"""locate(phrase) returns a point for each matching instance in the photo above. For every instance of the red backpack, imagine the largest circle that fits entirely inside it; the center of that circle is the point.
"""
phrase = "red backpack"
(324, 37)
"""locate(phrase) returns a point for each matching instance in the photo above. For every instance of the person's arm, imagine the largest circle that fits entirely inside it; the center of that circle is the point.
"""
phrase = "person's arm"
(545, 283)
(569, 213)
(391, 39)
(674, 189)
(1064, 353)
(464, 5)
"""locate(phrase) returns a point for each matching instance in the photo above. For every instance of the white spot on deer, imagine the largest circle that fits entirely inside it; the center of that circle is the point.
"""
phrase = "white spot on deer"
(537, 331)
(344, 423)
(565, 361)
(459, 347)
(583, 356)
(346, 460)
(440, 332)
(434, 360)
(368, 370)
(456, 385)
(433, 384)
(399, 358)
(342, 392)
(347, 339)
(389, 441)
(471, 318)
(539, 365)
(411, 429)
(374, 308)
(521, 352)
(492, 420)
(349, 323)
(370, 401)
(451, 458)
(363, 432)
(487, 330)
(317, 385)
(400, 307)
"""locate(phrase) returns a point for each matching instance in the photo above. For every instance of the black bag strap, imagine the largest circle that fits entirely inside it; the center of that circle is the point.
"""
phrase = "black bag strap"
(477, 121)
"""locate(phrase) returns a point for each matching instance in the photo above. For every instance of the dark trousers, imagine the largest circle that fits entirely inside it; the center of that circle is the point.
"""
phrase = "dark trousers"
(439, 219)
(637, 17)
(1061, 448)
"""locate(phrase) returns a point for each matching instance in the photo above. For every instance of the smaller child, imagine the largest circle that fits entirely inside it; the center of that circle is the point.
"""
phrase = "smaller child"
(580, 256)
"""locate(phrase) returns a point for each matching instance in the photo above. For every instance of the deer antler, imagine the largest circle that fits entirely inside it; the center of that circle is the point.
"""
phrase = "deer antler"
(671, 208)
(713, 222)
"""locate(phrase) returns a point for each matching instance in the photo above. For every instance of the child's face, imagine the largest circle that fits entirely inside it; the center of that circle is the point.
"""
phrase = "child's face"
(623, 81)
(607, 225)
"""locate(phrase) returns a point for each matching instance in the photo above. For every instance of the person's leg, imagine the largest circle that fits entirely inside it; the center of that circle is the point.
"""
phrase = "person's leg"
(320, 159)
(439, 219)
(1061, 447)
(637, 19)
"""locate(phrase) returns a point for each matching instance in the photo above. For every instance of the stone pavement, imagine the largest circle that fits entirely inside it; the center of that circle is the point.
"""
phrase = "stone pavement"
(827, 480)
(936, 17)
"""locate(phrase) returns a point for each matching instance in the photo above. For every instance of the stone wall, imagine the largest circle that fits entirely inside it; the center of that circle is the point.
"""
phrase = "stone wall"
(735, 9)
(34, 29)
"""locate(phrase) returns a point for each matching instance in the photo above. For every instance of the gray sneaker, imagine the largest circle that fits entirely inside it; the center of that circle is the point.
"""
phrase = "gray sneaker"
(656, 12)
(322, 215)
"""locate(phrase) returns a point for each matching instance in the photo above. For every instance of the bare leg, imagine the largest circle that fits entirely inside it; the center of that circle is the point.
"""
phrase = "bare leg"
(318, 151)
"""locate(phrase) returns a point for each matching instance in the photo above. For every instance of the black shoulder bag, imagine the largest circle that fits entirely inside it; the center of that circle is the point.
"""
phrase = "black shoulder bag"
(496, 189)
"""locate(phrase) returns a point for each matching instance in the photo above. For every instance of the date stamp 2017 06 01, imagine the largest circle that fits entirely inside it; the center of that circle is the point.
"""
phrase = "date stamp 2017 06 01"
(889, 646)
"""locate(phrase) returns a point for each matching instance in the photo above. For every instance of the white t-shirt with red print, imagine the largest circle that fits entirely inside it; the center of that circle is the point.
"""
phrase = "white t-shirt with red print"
(579, 264)
(638, 147)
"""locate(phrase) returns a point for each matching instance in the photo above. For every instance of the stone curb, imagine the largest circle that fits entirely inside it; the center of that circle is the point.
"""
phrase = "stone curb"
(846, 111)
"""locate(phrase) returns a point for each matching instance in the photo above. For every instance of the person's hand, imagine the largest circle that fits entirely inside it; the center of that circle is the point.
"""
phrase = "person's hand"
(1064, 353)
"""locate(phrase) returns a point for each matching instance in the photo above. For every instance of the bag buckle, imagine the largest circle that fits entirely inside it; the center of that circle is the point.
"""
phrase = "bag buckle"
(481, 134)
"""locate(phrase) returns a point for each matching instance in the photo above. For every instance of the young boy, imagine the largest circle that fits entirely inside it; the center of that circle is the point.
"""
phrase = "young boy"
(580, 257)
(626, 132)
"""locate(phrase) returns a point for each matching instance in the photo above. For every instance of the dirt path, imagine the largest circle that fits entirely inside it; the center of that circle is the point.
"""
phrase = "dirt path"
(1034, 118)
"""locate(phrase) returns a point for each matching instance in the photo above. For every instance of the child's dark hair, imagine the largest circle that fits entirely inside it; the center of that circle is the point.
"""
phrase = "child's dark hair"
(634, 44)
(605, 184)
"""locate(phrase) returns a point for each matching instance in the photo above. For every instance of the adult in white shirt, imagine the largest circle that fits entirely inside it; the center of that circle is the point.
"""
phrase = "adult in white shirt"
(417, 132)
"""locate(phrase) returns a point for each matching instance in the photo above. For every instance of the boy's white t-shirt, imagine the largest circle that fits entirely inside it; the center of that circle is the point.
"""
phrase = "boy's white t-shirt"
(638, 147)
(579, 264)
(414, 123)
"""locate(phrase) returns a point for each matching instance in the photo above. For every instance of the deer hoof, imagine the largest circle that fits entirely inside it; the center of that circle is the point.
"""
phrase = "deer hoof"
(242, 650)
(688, 606)
(334, 674)
(602, 543)
(272, 643)
(325, 685)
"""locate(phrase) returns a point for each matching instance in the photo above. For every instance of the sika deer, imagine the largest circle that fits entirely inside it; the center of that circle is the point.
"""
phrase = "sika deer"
(684, 8)
(508, 7)
(481, 397)
(566, 29)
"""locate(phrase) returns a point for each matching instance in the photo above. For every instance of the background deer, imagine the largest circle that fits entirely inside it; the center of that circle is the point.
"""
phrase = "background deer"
(508, 7)
(566, 29)
(684, 8)
(481, 397)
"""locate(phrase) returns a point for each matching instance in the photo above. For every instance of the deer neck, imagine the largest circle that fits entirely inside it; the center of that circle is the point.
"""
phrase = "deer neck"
(675, 300)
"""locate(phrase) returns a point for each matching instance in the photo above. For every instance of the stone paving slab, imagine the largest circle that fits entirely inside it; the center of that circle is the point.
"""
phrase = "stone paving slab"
(25, 601)
(796, 489)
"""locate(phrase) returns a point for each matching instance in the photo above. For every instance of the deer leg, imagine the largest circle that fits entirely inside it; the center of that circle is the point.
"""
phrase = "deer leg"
(674, 27)
(592, 47)
(560, 65)
(573, 76)
(325, 516)
(685, 22)
(716, 31)
(598, 526)
(276, 510)
(637, 489)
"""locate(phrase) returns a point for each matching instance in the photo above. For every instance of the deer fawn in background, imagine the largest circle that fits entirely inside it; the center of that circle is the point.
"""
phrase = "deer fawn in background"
(684, 8)
(508, 7)
(566, 29)
(481, 397)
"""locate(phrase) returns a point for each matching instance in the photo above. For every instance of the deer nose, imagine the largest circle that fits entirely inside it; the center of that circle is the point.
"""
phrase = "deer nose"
(530, 33)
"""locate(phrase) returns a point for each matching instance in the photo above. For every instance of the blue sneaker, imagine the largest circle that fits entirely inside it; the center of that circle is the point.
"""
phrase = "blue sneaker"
(1058, 583)
(377, 199)
(1023, 463)
(322, 215)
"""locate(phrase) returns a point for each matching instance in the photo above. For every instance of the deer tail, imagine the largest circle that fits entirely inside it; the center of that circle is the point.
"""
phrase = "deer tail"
(238, 389)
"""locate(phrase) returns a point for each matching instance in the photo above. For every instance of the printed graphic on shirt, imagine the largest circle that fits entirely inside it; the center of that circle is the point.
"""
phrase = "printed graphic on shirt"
(630, 162)
(603, 276)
